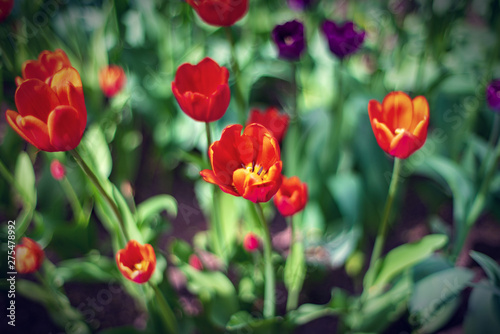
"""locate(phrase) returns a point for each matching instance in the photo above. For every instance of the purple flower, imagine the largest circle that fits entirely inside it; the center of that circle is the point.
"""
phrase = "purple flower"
(300, 5)
(493, 95)
(343, 40)
(289, 37)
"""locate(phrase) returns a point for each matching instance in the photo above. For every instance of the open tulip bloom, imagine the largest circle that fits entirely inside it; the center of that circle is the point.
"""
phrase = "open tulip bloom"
(291, 197)
(343, 39)
(247, 165)
(136, 262)
(51, 107)
(29, 256)
(290, 40)
(399, 123)
(112, 79)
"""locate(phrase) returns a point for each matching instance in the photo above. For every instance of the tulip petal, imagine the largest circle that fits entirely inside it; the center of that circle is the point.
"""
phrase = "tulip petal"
(224, 153)
(32, 69)
(382, 134)
(34, 97)
(12, 116)
(397, 111)
(375, 110)
(421, 130)
(420, 112)
(404, 145)
(60, 81)
(64, 128)
(210, 177)
(218, 103)
(36, 131)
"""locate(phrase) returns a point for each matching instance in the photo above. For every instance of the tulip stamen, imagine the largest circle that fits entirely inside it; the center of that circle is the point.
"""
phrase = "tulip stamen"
(260, 170)
(399, 130)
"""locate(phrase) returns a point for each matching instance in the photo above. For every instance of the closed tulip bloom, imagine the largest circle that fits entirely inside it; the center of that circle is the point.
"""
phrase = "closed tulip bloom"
(136, 262)
(5, 8)
(272, 119)
(51, 111)
(291, 197)
(220, 13)
(57, 170)
(247, 165)
(289, 38)
(202, 90)
(29, 256)
(343, 39)
(251, 243)
(400, 123)
(47, 64)
(112, 79)
(493, 95)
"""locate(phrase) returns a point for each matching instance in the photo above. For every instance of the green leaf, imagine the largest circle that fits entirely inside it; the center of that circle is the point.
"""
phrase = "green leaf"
(400, 259)
(380, 310)
(88, 269)
(483, 310)
(180, 251)
(489, 265)
(215, 291)
(436, 297)
(452, 176)
(243, 321)
(347, 191)
(128, 219)
(295, 268)
(95, 151)
(154, 205)
(25, 178)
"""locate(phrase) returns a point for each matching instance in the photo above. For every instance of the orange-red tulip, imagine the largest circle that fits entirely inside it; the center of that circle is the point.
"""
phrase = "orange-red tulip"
(136, 262)
(251, 243)
(47, 64)
(220, 13)
(51, 109)
(5, 8)
(202, 90)
(247, 165)
(400, 124)
(272, 119)
(29, 256)
(291, 197)
(112, 79)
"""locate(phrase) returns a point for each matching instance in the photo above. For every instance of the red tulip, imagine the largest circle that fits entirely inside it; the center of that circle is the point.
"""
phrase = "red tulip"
(251, 243)
(5, 8)
(220, 13)
(291, 197)
(112, 79)
(57, 169)
(202, 90)
(136, 262)
(29, 256)
(247, 164)
(399, 124)
(52, 114)
(275, 122)
(47, 64)
(195, 262)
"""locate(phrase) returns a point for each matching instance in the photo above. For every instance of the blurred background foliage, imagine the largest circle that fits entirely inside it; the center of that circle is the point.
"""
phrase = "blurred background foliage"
(446, 50)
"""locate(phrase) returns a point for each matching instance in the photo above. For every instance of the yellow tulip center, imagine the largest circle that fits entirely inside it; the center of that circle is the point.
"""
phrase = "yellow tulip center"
(399, 130)
(140, 266)
(256, 169)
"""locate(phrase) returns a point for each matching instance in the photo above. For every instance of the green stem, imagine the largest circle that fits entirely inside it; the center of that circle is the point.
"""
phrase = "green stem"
(382, 232)
(293, 294)
(209, 135)
(93, 178)
(269, 292)
(73, 201)
(479, 201)
(491, 143)
(295, 90)
(167, 315)
(338, 118)
(240, 99)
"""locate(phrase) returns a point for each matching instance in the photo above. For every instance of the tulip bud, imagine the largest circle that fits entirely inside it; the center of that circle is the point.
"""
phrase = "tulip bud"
(57, 170)
(251, 243)
(195, 262)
